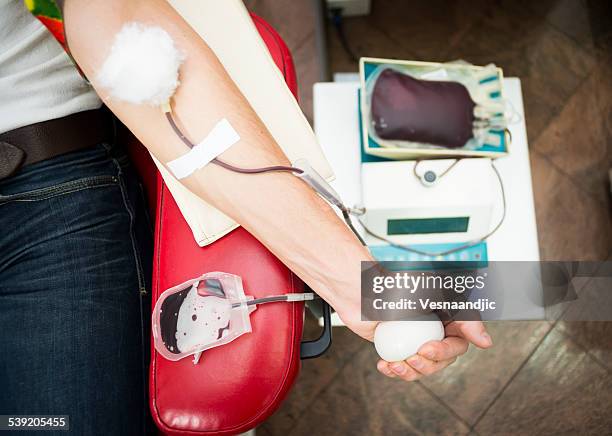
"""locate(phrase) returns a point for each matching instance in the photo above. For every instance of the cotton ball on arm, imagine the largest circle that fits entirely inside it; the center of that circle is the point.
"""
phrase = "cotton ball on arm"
(143, 65)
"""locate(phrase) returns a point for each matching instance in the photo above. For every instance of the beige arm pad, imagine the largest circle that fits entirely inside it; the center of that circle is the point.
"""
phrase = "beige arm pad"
(221, 24)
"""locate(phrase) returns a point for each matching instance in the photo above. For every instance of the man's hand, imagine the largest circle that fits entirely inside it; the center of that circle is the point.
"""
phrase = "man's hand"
(434, 356)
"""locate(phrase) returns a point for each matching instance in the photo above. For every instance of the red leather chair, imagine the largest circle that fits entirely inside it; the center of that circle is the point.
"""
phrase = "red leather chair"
(237, 386)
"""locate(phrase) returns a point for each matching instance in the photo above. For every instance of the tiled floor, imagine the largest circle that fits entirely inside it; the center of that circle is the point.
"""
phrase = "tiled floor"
(541, 377)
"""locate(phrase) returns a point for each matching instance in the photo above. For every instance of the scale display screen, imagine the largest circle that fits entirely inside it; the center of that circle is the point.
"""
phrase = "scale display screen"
(417, 226)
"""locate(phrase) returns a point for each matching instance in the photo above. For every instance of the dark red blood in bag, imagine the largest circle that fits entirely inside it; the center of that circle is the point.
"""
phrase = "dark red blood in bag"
(432, 112)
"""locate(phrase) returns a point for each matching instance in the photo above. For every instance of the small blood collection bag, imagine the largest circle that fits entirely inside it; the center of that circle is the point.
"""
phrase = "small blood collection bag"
(205, 312)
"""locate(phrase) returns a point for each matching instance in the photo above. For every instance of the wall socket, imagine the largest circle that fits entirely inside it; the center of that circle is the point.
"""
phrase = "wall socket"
(350, 8)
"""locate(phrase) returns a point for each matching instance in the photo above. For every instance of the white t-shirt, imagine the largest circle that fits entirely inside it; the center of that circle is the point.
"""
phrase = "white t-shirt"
(38, 81)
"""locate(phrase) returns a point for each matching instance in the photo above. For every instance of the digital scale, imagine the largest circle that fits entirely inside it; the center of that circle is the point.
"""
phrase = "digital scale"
(431, 217)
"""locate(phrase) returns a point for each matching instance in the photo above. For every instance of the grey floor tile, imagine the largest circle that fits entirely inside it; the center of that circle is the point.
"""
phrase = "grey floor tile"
(398, 29)
(588, 320)
(585, 21)
(594, 302)
(560, 390)
(259, 431)
(365, 39)
(593, 336)
(473, 381)
(363, 402)
(571, 224)
(560, 302)
(426, 28)
(293, 20)
(550, 64)
(570, 17)
(315, 376)
(579, 139)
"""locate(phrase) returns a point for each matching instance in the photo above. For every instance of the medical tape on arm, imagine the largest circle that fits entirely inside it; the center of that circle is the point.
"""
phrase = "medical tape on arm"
(221, 137)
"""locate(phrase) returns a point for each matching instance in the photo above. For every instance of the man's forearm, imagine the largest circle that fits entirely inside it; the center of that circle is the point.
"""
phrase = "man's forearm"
(278, 209)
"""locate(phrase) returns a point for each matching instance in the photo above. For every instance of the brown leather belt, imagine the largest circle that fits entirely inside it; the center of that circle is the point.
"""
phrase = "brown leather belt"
(37, 142)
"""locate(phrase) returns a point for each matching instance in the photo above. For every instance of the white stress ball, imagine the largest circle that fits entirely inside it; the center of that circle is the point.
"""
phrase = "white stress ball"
(398, 340)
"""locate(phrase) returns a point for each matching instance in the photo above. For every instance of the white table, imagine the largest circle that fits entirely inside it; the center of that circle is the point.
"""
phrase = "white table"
(337, 128)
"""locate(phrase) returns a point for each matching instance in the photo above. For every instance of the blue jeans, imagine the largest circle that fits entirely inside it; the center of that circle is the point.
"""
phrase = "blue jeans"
(75, 260)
